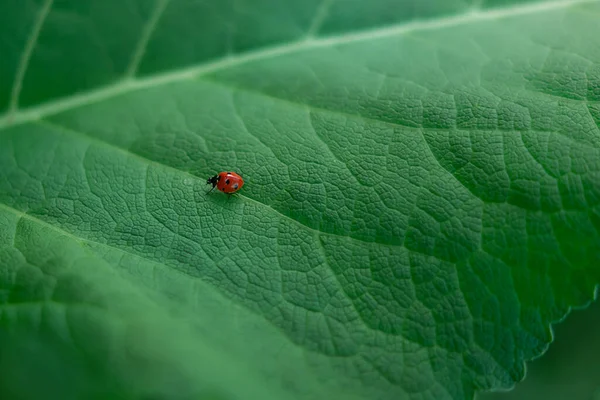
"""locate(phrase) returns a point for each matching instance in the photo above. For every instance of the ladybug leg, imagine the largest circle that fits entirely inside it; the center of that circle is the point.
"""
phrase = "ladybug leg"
(213, 188)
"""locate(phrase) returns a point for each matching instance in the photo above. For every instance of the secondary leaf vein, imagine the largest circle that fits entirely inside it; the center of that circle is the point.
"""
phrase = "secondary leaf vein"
(26, 57)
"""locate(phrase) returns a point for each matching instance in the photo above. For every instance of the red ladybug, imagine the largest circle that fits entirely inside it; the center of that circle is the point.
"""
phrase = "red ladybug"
(226, 182)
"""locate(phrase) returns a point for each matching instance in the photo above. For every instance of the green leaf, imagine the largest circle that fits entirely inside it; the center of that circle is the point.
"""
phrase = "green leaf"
(422, 195)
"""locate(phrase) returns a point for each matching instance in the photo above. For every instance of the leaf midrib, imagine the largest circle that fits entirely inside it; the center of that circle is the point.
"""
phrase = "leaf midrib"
(127, 85)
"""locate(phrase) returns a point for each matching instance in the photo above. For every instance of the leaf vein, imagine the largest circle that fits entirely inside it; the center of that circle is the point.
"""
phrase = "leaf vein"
(128, 85)
(26, 57)
(129, 153)
(147, 32)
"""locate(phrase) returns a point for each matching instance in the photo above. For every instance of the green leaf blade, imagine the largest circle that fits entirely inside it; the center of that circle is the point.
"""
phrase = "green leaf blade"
(418, 209)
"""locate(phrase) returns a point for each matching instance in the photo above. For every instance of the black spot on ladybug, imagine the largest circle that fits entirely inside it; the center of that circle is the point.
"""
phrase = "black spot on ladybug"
(235, 185)
(227, 181)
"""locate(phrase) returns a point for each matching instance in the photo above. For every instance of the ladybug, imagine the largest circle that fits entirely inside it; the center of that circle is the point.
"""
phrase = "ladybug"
(226, 182)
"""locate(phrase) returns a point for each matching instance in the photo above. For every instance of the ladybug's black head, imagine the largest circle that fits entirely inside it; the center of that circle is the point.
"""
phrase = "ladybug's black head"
(213, 180)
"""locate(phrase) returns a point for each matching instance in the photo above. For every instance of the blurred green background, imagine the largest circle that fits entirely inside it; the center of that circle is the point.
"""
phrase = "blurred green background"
(570, 369)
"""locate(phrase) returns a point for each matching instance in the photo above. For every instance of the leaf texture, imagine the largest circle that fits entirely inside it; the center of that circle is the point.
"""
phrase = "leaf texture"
(421, 200)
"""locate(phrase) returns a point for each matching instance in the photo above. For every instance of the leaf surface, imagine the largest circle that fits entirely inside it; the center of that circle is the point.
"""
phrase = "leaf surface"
(421, 200)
